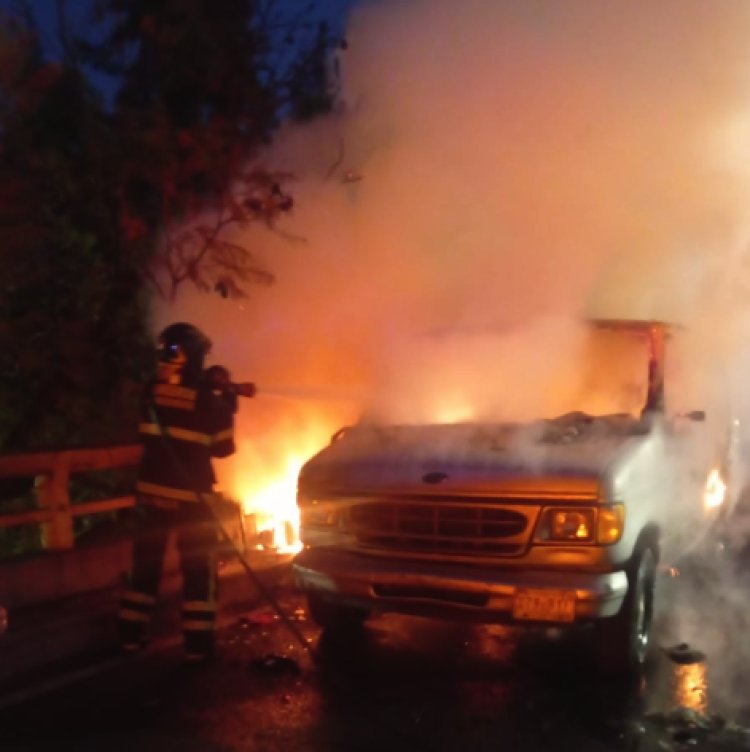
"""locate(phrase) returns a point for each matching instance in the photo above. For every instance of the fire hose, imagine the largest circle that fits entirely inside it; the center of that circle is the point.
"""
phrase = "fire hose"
(203, 498)
(219, 380)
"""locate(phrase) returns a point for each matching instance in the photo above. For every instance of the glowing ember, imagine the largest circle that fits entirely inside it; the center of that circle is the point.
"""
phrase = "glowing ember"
(713, 495)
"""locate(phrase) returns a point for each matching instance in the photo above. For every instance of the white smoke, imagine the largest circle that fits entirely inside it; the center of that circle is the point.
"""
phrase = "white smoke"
(501, 168)
(492, 163)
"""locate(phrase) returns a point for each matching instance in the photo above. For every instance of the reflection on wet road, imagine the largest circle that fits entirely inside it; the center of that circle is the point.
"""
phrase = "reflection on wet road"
(465, 687)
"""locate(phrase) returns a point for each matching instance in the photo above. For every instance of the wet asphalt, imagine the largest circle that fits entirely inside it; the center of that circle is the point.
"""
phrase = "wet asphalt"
(407, 683)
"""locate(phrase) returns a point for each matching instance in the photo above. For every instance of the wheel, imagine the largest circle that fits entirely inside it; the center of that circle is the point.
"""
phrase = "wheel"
(334, 617)
(621, 642)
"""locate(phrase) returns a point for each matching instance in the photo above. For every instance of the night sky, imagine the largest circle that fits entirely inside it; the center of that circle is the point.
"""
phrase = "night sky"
(45, 13)
(44, 10)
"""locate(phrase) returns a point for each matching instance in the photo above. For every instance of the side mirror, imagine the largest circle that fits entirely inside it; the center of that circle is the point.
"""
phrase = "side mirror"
(678, 421)
(695, 415)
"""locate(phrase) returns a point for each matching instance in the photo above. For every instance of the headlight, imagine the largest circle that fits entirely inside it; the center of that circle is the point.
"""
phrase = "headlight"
(602, 524)
(567, 525)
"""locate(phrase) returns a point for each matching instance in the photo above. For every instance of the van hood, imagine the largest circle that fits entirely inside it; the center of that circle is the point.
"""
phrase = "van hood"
(473, 459)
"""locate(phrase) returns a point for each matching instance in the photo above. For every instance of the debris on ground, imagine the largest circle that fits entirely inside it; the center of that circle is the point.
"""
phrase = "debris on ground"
(688, 718)
(274, 664)
(257, 618)
(683, 728)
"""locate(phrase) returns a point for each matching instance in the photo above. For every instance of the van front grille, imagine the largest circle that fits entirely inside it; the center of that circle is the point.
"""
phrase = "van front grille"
(441, 527)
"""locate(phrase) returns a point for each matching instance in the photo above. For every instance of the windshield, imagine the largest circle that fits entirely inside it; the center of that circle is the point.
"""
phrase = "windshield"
(526, 375)
(614, 373)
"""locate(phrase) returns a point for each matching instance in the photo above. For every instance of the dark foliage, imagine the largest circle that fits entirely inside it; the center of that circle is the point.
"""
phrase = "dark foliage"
(97, 200)
(203, 88)
(72, 326)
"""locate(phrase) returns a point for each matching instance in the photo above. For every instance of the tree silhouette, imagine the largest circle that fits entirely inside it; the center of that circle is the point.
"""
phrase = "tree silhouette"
(204, 86)
(100, 196)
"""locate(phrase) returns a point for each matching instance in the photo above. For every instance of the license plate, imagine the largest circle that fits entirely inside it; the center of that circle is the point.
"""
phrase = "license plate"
(545, 605)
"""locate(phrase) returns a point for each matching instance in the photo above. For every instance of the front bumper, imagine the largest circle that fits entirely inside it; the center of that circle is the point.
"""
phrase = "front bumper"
(448, 589)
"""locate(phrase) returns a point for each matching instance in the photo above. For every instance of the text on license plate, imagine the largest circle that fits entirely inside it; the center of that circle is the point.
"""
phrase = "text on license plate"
(545, 605)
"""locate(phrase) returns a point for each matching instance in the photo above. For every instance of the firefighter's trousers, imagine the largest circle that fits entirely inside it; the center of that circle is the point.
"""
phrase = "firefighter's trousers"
(196, 537)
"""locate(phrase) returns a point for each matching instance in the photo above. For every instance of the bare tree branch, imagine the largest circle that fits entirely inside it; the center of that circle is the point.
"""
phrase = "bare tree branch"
(337, 162)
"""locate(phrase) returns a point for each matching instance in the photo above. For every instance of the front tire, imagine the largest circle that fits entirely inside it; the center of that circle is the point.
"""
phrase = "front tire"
(621, 643)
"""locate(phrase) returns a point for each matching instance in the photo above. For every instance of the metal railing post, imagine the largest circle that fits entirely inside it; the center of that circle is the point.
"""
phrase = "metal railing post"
(53, 495)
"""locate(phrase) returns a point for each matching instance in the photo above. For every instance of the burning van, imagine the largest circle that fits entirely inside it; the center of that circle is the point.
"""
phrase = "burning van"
(557, 521)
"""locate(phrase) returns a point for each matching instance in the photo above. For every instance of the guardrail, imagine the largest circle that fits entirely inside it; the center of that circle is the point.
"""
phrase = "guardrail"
(52, 472)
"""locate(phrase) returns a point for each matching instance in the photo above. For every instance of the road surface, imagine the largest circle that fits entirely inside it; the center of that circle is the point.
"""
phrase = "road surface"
(412, 684)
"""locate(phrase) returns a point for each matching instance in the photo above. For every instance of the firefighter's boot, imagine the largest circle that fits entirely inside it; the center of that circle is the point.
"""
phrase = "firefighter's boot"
(134, 620)
(198, 625)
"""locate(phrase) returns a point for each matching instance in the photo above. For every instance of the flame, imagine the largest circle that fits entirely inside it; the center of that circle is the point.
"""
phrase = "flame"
(271, 502)
(715, 491)
(262, 477)
(691, 687)
(456, 411)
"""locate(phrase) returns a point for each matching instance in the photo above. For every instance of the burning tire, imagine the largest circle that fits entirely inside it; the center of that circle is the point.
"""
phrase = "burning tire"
(333, 617)
(621, 643)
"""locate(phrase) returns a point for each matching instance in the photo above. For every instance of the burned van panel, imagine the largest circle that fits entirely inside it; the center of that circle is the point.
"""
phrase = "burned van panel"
(554, 521)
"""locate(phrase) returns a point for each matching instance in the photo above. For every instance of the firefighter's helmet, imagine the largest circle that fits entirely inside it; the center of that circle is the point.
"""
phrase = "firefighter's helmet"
(182, 351)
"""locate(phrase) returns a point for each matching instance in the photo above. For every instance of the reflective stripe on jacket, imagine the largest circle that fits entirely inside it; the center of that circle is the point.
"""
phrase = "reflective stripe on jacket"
(181, 430)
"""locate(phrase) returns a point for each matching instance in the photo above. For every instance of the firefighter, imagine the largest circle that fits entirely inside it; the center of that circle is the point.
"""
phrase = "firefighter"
(186, 421)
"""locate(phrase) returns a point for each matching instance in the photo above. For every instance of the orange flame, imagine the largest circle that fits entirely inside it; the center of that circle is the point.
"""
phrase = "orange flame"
(691, 687)
(272, 504)
(262, 476)
(715, 490)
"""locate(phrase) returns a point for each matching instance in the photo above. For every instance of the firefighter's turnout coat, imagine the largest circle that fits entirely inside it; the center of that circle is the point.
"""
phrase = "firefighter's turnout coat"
(182, 428)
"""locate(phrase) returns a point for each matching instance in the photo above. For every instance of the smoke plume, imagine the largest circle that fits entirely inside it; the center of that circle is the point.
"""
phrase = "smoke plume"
(495, 171)
(491, 163)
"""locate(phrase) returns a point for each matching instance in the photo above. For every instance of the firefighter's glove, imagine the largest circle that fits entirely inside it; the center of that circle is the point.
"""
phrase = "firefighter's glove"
(218, 378)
